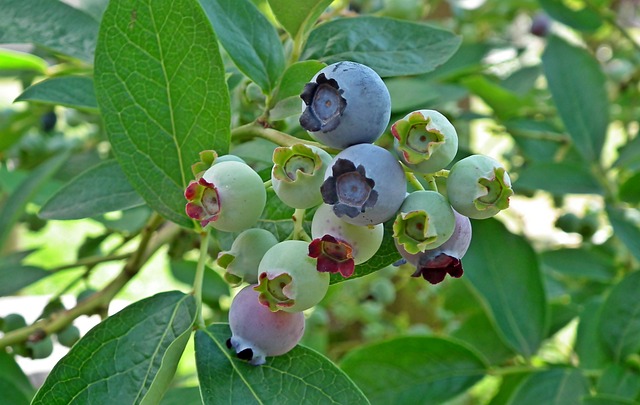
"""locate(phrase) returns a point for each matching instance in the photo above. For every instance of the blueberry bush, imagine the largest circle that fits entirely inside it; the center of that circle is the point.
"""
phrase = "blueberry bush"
(316, 201)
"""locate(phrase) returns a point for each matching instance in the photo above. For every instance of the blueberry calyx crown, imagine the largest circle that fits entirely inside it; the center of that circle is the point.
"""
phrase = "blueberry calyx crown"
(349, 189)
(325, 105)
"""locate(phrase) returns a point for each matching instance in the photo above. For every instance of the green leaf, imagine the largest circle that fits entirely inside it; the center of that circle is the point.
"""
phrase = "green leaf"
(584, 19)
(558, 178)
(408, 93)
(213, 286)
(300, 376)
(607, 400)
(413, 370)
(298, 16)
(580, 263)
(14, 277)
(182, 396)
(51, 24)
(619, 381)
(589, 348)
(504, 103)
(249, 39)
(508, 385)
(69, 91)
(620, 319)
(556, 386)
(14, 124)
(129, 358)
(629, 190)
(14, 206)
(577, 85)
(294, 79)
(625, 223)
(14, 384)
(388, 46)
(160, 85)
(503, 270)
(629, 155)
(20, 61)
(98, 190)
(385, 256)
(129, 222)
(479, 332)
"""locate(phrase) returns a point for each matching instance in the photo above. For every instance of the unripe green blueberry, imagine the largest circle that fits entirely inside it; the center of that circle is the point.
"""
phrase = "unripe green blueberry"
(242, 260)
(425, 140)
(298, 173)
(479, 187)
(425, 221)
(68, 336)
(258, 332)
(288, 279)
(40, 349)
(13, 322)
(339, 245)
(230, 196)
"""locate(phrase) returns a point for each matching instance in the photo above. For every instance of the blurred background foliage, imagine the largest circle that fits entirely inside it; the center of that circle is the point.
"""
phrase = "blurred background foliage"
(566, 252)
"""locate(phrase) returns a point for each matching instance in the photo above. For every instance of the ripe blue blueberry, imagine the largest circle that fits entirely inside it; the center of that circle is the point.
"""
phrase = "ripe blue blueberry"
(258, 332)
(365, 185)
(345, 103)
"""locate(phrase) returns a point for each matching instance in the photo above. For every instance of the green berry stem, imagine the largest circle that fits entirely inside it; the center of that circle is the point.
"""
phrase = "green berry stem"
(152, 238)
(255, 130)
(268, 184)
(444, 173)
(431, 182)
(413, 180)
(298, 232)
(199, 277)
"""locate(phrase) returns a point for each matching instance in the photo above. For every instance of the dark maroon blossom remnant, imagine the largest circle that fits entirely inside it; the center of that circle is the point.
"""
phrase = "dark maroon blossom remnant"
(203, 201)
(334, 255)
(348, 189)
(435, 268)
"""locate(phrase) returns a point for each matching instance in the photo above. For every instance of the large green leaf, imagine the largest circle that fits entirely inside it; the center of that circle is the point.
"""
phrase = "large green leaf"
(51, 24)
(14, 206)
(620, 318)
(626, 227)
(286, 99)
(558, 178)
(577, 85)
(503, 269)
(129, 358)
(249, 38)
(100, 189)
(14, 277)
(413, 370)
(580, 263)
(623, 382)
(160, 85)
(69, 91)
(19, 61)
(300, 376)
(505, 103)
(588, 346)
(629, 190)
(388, 46)
(584, 19)
(14, 384)
(556, 386)
(298, 16)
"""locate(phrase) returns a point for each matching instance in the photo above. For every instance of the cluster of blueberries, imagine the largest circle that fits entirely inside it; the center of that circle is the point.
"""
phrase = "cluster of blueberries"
(346, 106)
